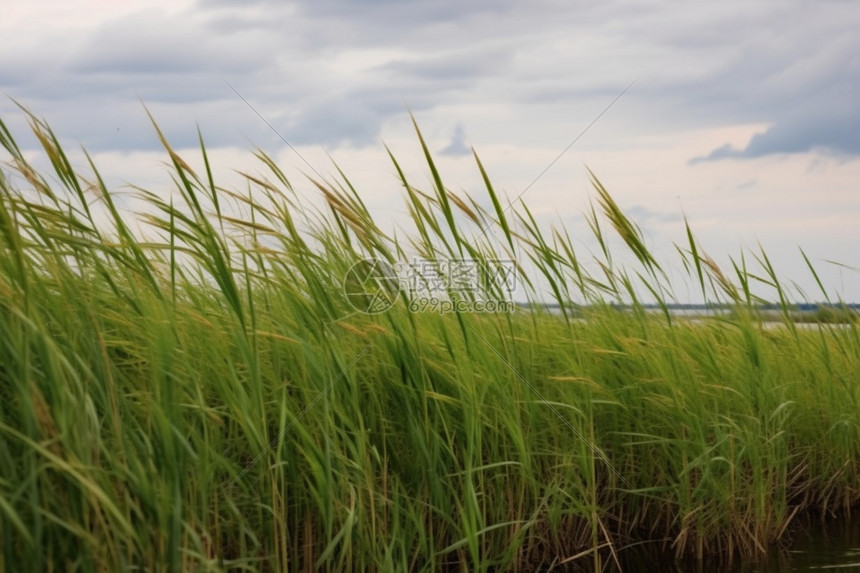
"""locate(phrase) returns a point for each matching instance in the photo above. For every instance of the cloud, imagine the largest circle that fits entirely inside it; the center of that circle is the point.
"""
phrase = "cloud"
(334, 72)
(799, 75)
(829, 132)
(458, 146)
(644, 215)
(303, 67)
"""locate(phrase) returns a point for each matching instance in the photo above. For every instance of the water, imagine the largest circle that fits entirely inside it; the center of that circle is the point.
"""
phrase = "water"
(823, 547)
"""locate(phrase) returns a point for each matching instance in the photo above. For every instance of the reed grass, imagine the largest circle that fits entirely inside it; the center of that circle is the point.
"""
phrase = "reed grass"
(201, 396)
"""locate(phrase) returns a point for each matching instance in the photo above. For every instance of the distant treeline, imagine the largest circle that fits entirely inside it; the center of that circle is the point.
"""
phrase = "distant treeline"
(801, 312)
(799, 307)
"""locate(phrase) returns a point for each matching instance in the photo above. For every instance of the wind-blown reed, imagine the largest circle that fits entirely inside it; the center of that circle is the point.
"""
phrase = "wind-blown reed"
(187, 388)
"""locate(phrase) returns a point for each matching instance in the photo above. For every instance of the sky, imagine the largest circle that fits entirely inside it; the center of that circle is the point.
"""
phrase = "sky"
(741, 117)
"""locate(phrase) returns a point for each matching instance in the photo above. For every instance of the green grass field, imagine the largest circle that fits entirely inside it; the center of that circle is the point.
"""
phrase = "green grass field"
(188, 388)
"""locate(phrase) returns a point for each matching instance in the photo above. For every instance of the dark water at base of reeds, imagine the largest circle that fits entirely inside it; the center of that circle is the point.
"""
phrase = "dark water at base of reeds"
(815, 545)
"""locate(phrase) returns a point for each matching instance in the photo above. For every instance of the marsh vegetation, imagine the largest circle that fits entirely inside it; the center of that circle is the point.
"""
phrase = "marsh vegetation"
(187, 387)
